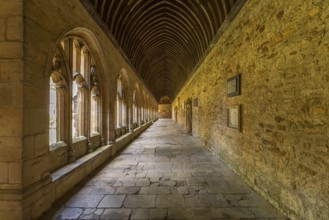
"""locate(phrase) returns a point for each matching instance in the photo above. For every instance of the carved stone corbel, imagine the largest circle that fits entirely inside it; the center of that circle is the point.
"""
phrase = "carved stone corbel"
(57, 62)
(80, 80)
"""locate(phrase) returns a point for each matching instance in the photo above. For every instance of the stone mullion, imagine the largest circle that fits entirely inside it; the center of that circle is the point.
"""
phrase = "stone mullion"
(130, 110)
(88, 99)
(112, 117)
(70, 151)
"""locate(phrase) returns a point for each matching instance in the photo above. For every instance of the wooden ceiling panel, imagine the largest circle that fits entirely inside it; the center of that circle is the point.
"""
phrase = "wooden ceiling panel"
(164, 39)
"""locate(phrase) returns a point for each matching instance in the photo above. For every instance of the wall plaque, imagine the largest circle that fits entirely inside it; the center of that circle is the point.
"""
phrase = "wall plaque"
(234, 117)
(234, 85)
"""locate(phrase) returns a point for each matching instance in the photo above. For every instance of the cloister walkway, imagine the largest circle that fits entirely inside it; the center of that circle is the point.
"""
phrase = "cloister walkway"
(163, 174)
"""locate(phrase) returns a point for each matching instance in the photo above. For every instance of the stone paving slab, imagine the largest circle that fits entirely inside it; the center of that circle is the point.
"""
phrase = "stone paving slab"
(163, 174)
(112, 201)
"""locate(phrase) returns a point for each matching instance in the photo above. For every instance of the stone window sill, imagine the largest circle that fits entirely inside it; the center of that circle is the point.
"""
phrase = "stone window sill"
(79, 139)
(57, 145)
(94, 134)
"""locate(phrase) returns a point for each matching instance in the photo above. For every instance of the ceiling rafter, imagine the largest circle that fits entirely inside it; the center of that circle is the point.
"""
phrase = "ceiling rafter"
(165, 39)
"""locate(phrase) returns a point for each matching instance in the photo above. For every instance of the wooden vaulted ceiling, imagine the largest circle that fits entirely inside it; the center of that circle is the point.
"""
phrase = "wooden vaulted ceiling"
(164, 39)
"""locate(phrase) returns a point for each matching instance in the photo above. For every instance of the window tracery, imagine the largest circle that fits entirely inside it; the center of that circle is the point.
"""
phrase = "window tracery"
(57, 93)
(77, 69)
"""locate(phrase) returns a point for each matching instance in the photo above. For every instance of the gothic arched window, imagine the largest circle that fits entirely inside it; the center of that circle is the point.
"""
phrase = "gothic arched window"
(85, 93)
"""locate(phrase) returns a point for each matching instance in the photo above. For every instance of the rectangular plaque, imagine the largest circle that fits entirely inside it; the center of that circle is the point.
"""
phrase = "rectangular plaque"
(234, 117)
(233, 86)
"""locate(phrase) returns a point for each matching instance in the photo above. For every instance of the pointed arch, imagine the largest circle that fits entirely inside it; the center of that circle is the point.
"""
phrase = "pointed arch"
(79, 77)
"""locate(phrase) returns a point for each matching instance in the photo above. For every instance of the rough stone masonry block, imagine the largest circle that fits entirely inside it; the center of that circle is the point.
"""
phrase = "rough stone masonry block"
(6, 96)
(35, 75)
(12, 118)
(29, 97)
(3, 173)
(2, 29)
(42, 202)
(27, 172)
(283, 73)
(28, 147)
(11, 50)
(11, 71)
(15, 173)
(10, 149)
(34, 170)
(15, 29)
(41, 144)
(15, 7)
(11, 210)
(36, 121)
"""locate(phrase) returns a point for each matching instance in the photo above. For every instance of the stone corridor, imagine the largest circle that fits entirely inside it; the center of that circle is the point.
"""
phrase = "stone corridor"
(163, 174)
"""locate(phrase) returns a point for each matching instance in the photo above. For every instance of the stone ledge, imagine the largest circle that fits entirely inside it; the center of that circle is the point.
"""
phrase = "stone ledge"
(66, 177)
(66, 170)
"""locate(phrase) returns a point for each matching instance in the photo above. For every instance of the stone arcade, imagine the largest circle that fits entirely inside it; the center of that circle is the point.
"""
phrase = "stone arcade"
(81, 79)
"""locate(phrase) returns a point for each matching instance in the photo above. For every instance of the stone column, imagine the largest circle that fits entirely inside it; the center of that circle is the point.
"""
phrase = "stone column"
(11, 110)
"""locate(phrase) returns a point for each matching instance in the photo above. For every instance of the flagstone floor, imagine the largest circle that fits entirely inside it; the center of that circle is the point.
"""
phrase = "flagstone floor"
(163, 174)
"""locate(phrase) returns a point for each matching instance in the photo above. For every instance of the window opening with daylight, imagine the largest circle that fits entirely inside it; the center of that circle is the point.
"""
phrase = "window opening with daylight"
(94, 102)
(119, 103)
(57, 93)
(52, 112)
(135, 117)
(85, 93)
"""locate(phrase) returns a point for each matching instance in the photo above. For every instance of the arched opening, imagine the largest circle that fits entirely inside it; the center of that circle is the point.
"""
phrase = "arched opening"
(164, 107)
(56, 107)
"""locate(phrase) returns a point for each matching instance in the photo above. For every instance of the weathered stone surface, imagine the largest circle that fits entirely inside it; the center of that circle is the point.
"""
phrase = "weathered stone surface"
(70, 213)
(4, 172)
(89, 201)
(14, 29)
(138, 214)
(11, 72)
(14, 8)
(15, 173)
(178, 201)
(10, 149)
(116, 214)
(280, 49)
(158, 214)
(112, 201)
(2, 29)
(12, 121)
(140, 201)
(10, 50)
(11, 210)
(6, 101)
(284, 97)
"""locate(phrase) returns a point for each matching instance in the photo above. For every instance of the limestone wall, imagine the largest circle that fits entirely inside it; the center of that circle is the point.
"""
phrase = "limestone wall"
(281, 49)
(11, 72)
(164, 110)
